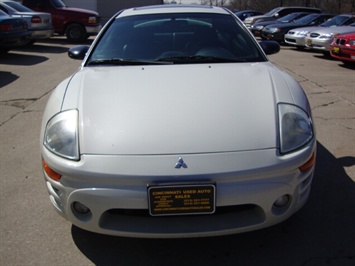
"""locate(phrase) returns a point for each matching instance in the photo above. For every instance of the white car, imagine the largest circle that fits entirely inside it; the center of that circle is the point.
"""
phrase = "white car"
(177, 125)
(297, 36)
(322, 38)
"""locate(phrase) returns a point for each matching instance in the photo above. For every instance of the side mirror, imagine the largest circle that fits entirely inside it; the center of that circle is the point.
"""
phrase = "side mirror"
(270, 47)
(78, 52)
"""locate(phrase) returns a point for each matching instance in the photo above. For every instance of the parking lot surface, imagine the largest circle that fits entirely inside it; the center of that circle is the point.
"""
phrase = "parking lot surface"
(32, 233)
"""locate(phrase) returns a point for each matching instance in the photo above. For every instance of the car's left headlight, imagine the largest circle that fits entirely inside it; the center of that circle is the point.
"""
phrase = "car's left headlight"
(327, 36)
(61, 135)
(302, 33)
(274, 30)
(260, 27)
(296, 127)
(92, 20)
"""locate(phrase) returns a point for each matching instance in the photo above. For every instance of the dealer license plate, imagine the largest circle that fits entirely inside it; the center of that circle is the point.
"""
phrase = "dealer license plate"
(182, 199)
(336, 50)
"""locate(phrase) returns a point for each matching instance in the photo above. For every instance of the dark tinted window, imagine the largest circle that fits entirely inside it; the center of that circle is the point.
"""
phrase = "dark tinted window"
(180, 36)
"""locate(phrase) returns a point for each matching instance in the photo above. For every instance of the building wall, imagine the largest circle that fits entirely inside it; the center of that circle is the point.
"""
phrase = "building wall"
(107, 8)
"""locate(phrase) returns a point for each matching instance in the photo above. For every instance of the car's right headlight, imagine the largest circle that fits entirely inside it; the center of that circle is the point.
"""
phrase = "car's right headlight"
(302, 33)
(259, 27)
(296, 127)
(61, 135)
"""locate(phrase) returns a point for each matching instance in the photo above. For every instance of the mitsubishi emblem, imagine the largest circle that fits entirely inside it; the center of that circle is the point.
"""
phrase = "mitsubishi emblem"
(180, 164)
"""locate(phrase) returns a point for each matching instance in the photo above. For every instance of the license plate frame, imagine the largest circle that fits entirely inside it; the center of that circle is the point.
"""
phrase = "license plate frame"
(186, 199)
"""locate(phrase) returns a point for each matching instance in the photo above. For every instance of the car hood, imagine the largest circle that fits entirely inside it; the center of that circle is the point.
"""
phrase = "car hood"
(283, 25)
(79, 11)
(177, 109)
(330, 30)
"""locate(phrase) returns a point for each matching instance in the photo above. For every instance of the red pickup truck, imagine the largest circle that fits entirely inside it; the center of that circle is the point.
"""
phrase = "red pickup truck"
(76, 23)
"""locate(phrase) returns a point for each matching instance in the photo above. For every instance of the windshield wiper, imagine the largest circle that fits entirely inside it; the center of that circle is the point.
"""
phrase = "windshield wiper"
(199, 59)
(124, 62)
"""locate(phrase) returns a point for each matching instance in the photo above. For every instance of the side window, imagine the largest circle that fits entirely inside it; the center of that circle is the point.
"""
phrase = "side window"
(323, 19)
(285, 12)
(3, 9)
(350, 21)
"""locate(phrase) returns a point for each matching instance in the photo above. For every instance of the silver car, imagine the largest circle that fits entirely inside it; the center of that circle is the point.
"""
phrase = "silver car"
(297, 36)
(177, 125)
(39, 23)
(322, 38)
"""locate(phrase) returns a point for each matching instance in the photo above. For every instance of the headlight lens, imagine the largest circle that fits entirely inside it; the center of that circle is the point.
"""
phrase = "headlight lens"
(295, 127)
(302, 33)
(61, 135)
(92, 20)
(258, 27)
(274, 30)
(352, 42)
(326, 36)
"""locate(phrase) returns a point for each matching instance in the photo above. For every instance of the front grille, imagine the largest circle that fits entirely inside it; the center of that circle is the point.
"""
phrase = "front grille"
(340, 41)
(290, 40)
(225, 218)
(145, 212)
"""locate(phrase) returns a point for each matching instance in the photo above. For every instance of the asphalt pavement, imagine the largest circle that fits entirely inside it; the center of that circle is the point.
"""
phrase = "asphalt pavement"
(32, 233)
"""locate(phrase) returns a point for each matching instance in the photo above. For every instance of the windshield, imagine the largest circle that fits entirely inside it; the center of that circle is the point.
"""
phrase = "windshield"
(272, 12)
(289, 17)
(338, 20)
(58, 3)
(18, 7)
(307, 19)
(176, 38)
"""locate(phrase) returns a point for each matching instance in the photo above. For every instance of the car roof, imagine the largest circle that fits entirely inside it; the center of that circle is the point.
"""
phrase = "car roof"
(161, 9)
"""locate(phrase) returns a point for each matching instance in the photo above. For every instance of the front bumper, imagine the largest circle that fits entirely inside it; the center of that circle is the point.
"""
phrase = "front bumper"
(93, 30)
(318, 44)
(119, 202)
(295, 40)
(279, 37)
(343, 53)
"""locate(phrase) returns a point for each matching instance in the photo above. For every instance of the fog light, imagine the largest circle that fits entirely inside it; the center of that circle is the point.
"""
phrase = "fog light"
(282, 201)
(80, 208)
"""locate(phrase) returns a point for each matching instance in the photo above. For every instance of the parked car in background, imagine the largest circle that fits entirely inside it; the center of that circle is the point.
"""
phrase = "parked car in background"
(39, 23)
(259, 26)
(277, 32)
(130, 148)
(343, 48)
(296, 37)
(13, 32)
(278, 13)
(242, 15)
(321, 39)
(76, 23)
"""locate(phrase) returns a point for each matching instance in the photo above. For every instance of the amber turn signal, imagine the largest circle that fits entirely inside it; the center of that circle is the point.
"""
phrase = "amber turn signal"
(50, 172)
(308, 165)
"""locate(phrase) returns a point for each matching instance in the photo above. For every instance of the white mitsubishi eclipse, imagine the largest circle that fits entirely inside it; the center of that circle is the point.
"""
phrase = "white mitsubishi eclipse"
(177, 125)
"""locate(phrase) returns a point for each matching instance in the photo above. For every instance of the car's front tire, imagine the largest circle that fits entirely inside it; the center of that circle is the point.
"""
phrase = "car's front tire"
(75, 33)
